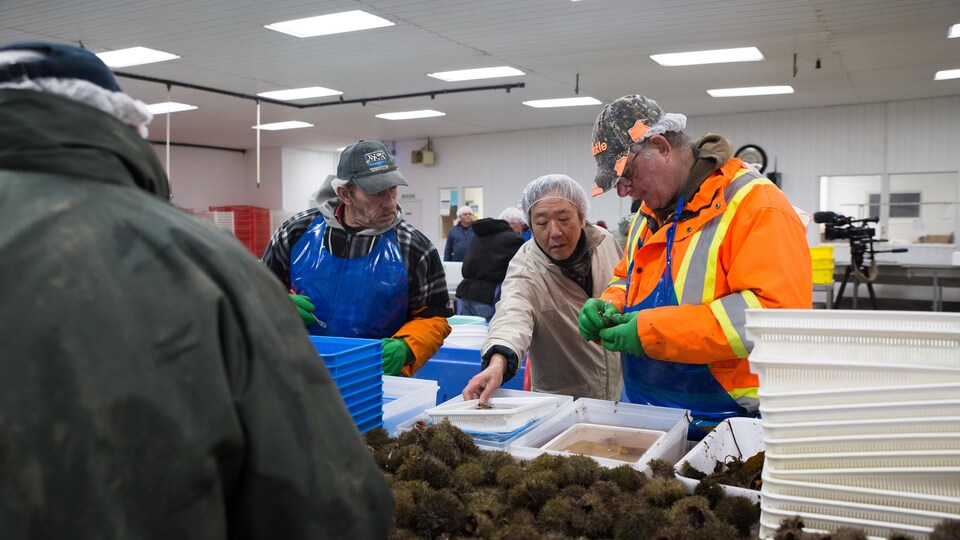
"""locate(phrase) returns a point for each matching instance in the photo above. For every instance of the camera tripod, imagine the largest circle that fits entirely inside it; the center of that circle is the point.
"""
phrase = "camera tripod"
(855, 269)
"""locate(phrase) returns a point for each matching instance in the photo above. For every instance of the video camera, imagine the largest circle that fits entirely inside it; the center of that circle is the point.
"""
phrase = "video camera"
(841, 227)
(860, 235)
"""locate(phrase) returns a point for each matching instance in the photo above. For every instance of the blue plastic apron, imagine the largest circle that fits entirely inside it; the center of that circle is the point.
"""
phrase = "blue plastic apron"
(364, 297)
(675, 384)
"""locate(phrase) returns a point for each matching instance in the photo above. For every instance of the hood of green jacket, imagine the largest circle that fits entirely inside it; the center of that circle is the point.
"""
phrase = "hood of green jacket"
(48, 133)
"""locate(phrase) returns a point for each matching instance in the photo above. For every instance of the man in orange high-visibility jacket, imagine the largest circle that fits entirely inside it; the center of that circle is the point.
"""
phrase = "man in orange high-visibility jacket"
(712, 239)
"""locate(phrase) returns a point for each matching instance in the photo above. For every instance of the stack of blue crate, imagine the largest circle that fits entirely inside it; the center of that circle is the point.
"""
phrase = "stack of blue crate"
(357, 369)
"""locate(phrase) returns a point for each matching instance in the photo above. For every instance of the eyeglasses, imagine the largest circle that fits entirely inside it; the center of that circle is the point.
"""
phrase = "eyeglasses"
(630, 164)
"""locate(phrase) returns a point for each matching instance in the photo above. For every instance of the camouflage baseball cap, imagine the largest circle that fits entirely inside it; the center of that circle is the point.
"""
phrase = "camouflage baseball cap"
(620, 124)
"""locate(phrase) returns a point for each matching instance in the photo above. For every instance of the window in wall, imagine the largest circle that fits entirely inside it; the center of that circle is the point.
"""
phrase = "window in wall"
(909, 208)
(902, 205)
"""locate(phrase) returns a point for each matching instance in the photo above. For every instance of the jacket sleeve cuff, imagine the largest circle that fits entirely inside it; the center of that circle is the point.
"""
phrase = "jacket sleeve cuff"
(513, 363)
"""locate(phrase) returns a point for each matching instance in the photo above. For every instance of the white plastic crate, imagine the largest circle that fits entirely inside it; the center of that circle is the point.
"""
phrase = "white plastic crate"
(896, 499)
(610, 442)
(404, 398)
(740, 438)
(865, 337)
(792, 375)
(673, 422)
(770, 519)
(826, 413)
(930, 481)
(856, 511)
(775, 463)
(507, 413)
(865, 443)
(851, 396)
(834, 428)
(496, 441)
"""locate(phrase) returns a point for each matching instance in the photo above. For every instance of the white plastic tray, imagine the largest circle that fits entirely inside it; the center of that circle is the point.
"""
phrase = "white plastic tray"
(920, 481)
(741, 438)
(404, 398)
(609, 437)
(496, 441)
(775, 463)
(779, 374)
(865, 337)
(855, 511)
(852, 396)
(864, 443)
(897, 499)
(508, 413)
(825, 413)
(770, 519)
(673, 422)
(835, 428)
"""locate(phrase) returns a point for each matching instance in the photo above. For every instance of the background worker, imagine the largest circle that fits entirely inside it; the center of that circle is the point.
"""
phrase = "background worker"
(156, 381)
(546, 283)
(495, 242)
(711, 239)
(459, 237)
(359, 270)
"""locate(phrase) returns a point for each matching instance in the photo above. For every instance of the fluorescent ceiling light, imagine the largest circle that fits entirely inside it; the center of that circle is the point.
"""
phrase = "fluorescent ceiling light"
(134, 56)
(947, 74)
(717, 56)
(276, 126)
(408, 115)
(169, 107)
(750, 91)
(335, 23)
(954, 31)
(479, 73)
(562, 102)
(300, 93)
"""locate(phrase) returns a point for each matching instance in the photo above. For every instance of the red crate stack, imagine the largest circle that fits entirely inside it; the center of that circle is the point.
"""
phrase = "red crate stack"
(251, 225)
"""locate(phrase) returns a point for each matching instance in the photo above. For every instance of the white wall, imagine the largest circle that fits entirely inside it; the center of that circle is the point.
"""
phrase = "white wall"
(202, 177)
(896, 137)
(303, 171)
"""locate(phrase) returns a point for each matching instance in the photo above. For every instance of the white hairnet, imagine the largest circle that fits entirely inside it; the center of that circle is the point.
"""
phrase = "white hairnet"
(463, 209)
(555, 186)
(668, 122)
(121, 106)
(513, 214)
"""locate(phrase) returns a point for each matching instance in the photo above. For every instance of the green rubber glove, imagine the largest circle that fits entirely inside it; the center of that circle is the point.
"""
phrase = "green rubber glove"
(395, 355)
(305, 308)
(623, 336)
(594, 316)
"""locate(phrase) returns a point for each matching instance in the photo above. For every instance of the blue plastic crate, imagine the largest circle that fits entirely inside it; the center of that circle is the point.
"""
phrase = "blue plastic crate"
(367, 425)
(348, 355)
(452, 367)
(357, 369)
(363, 416)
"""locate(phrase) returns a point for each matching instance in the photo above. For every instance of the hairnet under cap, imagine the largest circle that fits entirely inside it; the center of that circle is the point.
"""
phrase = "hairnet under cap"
(555, 186)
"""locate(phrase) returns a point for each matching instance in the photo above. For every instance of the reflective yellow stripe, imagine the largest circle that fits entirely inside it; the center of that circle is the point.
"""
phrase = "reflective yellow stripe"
(738, 393)
(710, 277)
(634, 237)
(751, 298)
(685, 264)
(733, 338)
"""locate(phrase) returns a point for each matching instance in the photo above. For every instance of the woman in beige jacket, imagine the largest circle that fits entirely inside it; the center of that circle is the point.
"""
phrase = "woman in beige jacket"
(547, 282)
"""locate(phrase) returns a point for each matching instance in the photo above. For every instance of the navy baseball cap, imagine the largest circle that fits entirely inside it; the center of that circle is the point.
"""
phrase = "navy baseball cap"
(60, 61)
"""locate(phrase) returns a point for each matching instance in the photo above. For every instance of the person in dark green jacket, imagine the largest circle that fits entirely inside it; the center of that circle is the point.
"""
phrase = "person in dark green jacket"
(156, 381)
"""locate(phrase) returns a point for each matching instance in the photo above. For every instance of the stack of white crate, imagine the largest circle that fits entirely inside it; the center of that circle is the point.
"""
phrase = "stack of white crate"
(861, 419)
(221, 220)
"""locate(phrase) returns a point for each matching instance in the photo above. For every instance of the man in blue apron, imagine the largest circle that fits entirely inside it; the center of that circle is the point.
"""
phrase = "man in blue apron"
(356, 268)
(711, 239)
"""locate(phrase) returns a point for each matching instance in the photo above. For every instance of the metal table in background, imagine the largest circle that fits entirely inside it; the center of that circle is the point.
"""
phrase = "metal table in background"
(937, 272)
